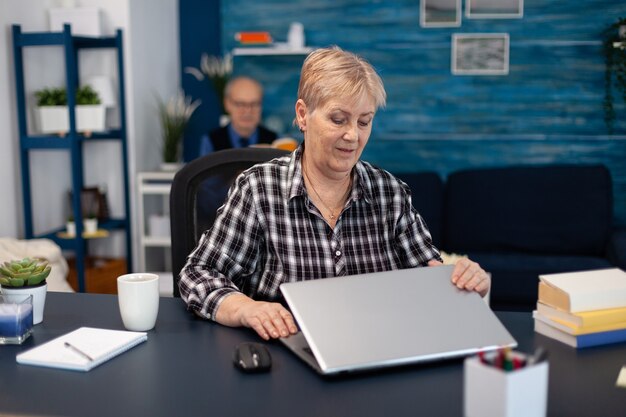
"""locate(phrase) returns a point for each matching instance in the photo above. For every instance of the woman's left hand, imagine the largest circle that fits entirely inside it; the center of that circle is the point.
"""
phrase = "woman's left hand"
(468, 275)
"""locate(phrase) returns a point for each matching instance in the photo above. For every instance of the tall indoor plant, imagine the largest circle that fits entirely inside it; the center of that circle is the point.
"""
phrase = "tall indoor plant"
(615, 69)
(217, 71)
(26, 277)
(174, 116)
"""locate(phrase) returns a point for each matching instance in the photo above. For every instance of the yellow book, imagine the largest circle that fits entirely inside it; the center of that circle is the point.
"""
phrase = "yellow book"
(584, 291)
(576, 330)
(584, 318)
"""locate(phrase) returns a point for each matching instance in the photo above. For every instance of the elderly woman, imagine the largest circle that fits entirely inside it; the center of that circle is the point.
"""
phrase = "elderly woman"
(318, 212)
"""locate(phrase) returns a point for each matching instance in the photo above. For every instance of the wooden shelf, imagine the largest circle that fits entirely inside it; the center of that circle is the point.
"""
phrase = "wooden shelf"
(98, 234)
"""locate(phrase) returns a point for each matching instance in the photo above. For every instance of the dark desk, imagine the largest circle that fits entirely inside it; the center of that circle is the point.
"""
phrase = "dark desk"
(185, 369)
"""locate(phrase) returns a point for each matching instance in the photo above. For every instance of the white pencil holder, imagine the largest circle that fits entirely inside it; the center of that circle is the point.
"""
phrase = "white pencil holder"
(493, 392)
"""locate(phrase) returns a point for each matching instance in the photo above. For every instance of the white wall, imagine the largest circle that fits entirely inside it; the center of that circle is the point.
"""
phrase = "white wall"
(151, 55)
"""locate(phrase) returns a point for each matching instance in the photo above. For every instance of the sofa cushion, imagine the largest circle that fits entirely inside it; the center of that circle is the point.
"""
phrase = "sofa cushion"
(515, 276)
(556, 209)
(427, 198)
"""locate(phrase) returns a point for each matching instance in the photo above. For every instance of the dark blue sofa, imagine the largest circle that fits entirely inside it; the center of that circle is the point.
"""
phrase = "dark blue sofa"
(522, 221)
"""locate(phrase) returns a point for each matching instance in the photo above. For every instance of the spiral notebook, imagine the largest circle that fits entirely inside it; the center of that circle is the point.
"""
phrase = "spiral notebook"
(83, 349)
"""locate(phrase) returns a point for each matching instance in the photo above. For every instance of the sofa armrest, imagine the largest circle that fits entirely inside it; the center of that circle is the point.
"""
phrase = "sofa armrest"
(616, 251)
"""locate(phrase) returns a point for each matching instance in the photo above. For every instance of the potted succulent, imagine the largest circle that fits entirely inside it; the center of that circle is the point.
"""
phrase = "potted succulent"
(174, 116)
(26, 277)
(52, 112)
(70, 226)
(90, 224)
(615, 69)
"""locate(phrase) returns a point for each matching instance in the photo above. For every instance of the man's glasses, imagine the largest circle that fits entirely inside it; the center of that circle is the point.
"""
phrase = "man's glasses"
(241, 105)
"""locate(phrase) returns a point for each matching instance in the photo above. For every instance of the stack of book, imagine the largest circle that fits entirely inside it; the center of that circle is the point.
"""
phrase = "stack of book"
(583, 309)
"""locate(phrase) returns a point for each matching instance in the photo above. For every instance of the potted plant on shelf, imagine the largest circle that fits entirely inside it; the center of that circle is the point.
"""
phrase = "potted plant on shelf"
(26, 277)
(70, 226)
(90, 224)
(615, 69)
(53, 114)
(174, 116)
(217, 71)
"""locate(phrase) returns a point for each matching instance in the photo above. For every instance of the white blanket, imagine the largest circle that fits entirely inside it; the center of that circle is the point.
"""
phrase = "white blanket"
(12, 249)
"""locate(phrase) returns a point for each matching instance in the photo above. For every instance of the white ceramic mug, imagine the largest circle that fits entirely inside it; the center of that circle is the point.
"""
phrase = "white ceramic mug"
(138, 297)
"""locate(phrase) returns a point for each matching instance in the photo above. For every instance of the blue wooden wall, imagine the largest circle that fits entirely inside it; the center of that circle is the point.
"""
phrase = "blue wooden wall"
(547, 110)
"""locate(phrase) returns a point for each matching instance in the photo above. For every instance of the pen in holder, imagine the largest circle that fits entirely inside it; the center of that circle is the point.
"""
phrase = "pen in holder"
(506, 384)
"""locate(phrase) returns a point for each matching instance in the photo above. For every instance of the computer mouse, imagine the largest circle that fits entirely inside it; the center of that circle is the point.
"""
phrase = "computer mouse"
(252, 357)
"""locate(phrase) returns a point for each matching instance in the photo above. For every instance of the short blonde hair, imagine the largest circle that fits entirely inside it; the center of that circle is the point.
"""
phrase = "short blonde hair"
(333, 72)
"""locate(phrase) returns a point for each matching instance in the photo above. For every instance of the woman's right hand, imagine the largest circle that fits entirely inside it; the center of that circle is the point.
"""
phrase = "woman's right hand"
(269, 320)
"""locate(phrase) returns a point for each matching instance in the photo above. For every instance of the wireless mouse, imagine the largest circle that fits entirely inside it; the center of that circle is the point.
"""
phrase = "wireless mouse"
(252, 357)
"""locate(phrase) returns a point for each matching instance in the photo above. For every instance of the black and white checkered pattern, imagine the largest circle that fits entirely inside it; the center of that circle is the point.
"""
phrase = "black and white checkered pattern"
(268, 232)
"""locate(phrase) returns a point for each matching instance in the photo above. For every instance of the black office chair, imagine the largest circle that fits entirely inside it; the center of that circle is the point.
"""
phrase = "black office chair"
(199, 189)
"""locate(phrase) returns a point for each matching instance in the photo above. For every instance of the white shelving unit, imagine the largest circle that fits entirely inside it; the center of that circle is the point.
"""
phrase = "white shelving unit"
(271, 50)
(156, 184)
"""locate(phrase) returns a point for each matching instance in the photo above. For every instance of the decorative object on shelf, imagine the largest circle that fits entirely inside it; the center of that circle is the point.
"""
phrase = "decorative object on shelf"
(295, 36)
(53, 114)
(217, 71)
(174, 116)
(254, 38)
(615, 69)
(103, 85)
(293, 46)
(70, 226)
(90, 224)
(26, 277)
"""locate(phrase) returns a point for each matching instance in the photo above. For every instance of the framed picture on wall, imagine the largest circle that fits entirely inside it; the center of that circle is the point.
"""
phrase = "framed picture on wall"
(440, 13)
(494, 9)
(480, 54)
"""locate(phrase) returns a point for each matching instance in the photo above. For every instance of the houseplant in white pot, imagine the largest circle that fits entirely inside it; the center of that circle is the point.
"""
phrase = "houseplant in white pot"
(53, 114)
(174, 116)
(23, 277)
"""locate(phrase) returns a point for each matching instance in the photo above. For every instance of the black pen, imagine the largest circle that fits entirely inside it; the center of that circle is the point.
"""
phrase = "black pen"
(77, 350)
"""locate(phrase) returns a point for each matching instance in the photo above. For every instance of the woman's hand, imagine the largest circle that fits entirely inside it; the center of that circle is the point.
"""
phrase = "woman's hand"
(468, 275)
(269, 320)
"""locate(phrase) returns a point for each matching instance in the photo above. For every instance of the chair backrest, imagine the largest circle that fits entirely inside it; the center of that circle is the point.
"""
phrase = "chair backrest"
(199, 189)
(427, 191)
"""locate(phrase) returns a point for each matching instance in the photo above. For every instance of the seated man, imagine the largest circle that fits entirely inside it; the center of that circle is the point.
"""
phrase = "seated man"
(243, 98)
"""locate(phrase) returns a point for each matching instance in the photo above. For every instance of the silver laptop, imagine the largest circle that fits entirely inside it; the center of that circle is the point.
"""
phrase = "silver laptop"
(390, 318)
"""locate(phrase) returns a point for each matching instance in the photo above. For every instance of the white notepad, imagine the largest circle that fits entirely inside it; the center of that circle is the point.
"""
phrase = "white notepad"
(83, 349)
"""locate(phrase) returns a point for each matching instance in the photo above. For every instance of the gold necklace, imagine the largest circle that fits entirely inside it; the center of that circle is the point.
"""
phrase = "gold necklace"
(332, 212)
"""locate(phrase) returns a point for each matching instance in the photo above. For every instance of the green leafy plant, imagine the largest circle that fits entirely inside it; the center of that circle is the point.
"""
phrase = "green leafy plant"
(51, 97)
(58, 96)
(217, 71)
(23, 273)
(615, 69)
(174, 116)
(86, 95)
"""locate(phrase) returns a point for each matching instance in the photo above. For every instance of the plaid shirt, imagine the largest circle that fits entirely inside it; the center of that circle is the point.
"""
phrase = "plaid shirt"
(268, 232)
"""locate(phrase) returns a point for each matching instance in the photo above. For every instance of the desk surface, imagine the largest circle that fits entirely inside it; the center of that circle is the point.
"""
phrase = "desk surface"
(185, 369)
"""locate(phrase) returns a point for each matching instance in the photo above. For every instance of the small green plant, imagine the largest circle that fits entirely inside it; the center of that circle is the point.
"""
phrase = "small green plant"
(23, 273)
(174, 116)
(51, 97)
(87, 95)
(58, 96)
